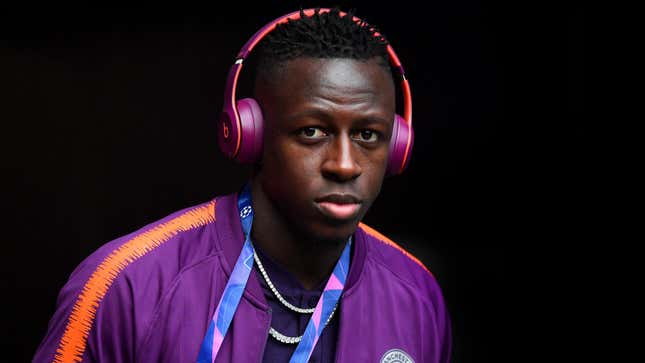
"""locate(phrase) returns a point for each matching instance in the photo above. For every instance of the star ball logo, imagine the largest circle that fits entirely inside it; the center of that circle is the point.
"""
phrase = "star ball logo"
(396, 356)
(246, 211)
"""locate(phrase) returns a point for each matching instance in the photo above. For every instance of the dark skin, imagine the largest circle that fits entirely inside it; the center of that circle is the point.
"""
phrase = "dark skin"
(327, 133)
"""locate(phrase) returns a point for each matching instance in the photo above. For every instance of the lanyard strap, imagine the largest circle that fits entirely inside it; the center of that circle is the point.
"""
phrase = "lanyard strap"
(234, 289)
(230, 299)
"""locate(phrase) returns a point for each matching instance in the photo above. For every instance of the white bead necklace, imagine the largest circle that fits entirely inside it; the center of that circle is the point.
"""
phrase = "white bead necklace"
(274, 333)
(294, 340)
(275, 291)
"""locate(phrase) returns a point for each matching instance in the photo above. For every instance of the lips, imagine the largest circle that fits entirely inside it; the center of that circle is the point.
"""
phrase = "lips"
(339, 206)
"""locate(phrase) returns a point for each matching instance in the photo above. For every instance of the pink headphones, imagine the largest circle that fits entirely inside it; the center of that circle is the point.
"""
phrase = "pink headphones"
(241, 127)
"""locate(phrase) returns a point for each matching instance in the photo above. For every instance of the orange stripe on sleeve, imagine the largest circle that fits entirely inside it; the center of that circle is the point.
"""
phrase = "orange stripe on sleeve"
(376, 234)
(73, 342)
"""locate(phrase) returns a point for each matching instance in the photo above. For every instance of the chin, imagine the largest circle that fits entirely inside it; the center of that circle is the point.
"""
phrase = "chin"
(337, 232)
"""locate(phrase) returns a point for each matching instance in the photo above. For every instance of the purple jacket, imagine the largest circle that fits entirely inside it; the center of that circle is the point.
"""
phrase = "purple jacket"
(149, 296)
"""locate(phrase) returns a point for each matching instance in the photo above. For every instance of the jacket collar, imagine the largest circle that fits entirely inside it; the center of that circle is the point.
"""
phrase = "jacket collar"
(230, 241)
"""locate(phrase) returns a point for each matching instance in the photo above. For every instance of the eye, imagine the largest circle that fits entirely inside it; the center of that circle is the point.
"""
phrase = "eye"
(367, 136)
(312, 132)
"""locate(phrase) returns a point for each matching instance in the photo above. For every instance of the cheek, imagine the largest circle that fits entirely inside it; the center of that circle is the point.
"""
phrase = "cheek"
(374, 172)
(375, 162)
(286, 154)
(288, 165)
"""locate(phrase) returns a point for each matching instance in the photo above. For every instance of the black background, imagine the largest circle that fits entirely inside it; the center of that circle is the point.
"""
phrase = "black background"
(108, 123)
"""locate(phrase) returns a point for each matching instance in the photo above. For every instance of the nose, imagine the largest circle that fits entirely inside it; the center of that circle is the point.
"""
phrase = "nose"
(340, 162)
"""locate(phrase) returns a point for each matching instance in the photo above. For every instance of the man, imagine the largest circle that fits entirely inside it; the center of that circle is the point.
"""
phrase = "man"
(283, 270)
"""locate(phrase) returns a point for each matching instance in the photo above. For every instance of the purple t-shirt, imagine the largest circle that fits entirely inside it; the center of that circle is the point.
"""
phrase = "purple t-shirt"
(289, 322)
(150, 295)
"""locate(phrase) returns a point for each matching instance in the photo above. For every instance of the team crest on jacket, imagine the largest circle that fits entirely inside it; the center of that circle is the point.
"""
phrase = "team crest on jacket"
(396, 356)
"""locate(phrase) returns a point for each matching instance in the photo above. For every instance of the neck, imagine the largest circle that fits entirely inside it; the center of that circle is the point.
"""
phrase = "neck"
(309, 259)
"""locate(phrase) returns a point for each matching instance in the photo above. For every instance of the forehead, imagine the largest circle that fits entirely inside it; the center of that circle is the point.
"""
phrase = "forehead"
(336, 81)
(330, 71)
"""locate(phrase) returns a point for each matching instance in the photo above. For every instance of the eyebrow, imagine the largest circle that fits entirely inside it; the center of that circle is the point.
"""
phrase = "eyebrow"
(310, 112)
(326, 116)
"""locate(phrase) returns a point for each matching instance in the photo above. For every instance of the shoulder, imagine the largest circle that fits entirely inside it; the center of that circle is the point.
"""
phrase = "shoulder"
(185, 234)
(402, 265)
(401, 285)
(126, 278)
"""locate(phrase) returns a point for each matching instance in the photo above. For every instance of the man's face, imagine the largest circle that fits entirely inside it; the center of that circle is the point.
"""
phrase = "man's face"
(327, 130)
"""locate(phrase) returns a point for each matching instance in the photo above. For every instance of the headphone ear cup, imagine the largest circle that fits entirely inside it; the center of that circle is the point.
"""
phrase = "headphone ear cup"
(400, 146)
(252, 131)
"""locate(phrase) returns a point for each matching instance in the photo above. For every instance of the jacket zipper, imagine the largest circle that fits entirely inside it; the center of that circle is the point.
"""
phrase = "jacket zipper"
(268, 327)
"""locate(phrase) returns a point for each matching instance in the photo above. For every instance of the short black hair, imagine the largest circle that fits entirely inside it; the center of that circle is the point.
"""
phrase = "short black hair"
(321, 35)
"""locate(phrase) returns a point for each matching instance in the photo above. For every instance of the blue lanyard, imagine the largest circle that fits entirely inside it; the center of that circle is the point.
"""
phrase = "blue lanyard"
(234, 289)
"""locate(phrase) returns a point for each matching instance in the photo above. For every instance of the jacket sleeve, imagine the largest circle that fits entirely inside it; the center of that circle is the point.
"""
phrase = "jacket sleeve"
(442, 325)
(90, 324)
